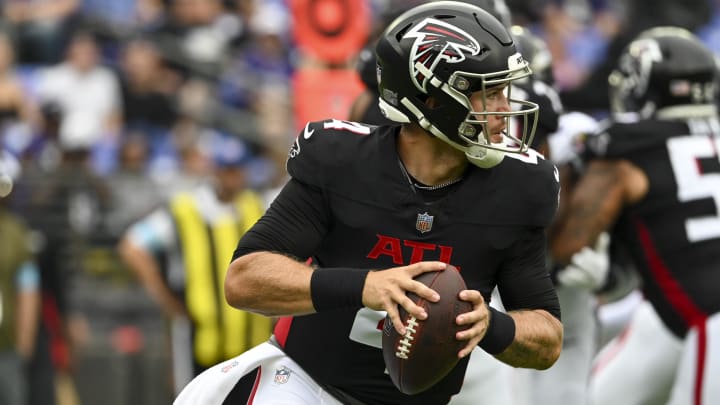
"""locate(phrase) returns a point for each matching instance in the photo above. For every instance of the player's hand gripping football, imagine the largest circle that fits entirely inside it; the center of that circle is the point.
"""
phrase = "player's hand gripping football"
(385, 290)
(478, 320)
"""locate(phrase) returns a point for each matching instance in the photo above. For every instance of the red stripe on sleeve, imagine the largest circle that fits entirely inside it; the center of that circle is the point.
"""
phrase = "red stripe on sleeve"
(282, 329)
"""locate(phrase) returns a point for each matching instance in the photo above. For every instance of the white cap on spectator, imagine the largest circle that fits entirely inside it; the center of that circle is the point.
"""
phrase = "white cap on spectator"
(270, 19)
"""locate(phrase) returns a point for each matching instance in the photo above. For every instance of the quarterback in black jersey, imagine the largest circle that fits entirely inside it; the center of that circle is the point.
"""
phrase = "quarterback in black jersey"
(369, 208)
(653, 178)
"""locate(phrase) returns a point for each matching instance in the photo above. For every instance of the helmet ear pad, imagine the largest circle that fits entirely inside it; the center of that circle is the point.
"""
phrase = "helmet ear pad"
(443, 112)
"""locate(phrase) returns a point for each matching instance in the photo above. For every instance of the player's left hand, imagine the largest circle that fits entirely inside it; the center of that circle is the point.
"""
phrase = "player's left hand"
(478, 319)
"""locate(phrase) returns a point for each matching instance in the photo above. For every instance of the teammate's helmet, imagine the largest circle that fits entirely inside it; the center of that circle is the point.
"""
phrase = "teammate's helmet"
(664, 67)
(535, 52)
(447, 50)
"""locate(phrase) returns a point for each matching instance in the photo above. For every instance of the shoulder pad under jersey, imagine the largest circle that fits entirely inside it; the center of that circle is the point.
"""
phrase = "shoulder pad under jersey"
(522, 190)
(540, 191)
(322, 147)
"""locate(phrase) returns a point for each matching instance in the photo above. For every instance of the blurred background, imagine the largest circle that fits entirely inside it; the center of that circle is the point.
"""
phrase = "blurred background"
(109, 107)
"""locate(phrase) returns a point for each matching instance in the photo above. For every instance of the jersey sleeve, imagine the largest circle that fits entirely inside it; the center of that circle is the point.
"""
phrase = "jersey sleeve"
(294, 224)
(524, 282)
(595, 145)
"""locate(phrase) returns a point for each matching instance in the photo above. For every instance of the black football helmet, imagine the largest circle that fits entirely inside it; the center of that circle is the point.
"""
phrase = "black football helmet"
(667, 72)
(448, 50)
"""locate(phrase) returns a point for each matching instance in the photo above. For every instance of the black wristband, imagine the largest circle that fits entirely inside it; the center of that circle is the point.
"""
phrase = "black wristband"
(500, 332)
(336, 288)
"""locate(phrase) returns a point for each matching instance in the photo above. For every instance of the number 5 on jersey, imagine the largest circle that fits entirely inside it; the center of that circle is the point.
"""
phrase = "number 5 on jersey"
(696, 164)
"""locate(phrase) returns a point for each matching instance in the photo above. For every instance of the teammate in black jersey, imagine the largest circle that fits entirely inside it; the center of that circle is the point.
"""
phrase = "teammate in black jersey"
(654, 179)
(372, 207)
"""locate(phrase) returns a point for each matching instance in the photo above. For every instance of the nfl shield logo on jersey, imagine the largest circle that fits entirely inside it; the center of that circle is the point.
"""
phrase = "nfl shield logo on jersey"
(282, 375)
(424, 222)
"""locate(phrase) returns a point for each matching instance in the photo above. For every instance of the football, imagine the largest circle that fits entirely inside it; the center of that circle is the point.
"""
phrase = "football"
(428, 351)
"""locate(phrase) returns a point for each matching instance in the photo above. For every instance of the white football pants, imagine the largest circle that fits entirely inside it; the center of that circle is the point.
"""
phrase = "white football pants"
(281, 381)
(638, 366)
(698, 377)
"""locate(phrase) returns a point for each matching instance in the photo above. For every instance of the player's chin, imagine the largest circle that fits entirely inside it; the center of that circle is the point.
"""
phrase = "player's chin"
(496, 137)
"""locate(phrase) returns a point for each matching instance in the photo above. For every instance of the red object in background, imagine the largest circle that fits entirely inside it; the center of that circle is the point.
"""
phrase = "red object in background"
(59, 347)
(331, 30)
(127, 339)
(324, 93)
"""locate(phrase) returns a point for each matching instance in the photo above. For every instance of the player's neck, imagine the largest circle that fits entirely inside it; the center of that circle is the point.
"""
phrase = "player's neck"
(428, 159)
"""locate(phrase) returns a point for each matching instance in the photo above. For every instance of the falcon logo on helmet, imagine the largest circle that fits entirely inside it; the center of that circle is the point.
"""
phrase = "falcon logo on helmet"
(435, 41)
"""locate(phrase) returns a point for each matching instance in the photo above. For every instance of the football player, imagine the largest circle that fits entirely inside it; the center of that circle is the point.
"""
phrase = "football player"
(373, 207)
(653, 179)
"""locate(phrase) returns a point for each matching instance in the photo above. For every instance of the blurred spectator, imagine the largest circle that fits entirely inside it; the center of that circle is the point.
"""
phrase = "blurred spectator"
(85, 91)
(19, 307)
(19, 116)
(148, 89)
(42, 27)
(132, 193)
(257, 79)
(19, 298)
(184, 162)
(242, 11)
(710, 33)
(66, 206)
(38, 159)
(196, 36)
(577, 36)
(527, 13)
(263, 62)
(196, 233)
(123, 18)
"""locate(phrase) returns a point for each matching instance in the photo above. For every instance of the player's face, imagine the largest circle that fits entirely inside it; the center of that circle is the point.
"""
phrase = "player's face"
(495, 99)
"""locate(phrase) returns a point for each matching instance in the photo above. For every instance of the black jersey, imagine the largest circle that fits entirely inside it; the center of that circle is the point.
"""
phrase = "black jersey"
(349, 204)
(673, 234)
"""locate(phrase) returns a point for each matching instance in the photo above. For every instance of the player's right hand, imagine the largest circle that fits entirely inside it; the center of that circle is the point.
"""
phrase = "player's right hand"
(386, 289)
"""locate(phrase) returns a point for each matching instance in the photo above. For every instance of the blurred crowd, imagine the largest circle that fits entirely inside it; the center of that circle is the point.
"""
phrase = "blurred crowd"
(110, 107)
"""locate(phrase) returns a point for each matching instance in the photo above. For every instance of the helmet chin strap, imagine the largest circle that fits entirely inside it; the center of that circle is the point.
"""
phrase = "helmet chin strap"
(478, 155)
(484, 157)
